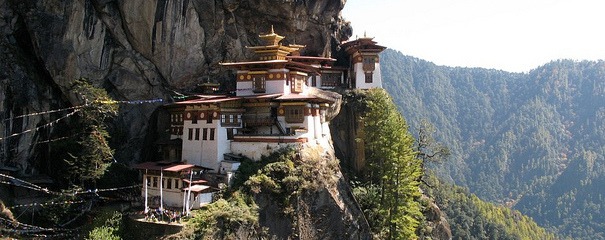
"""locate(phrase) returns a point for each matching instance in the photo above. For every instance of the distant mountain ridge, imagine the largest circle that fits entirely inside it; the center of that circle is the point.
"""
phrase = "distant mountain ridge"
(533, 140)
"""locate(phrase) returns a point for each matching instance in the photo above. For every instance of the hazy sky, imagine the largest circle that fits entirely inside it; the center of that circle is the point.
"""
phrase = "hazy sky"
(513, 35)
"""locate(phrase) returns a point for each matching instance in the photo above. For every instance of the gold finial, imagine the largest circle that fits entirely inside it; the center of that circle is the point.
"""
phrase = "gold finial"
(365, 35)
(272, 38)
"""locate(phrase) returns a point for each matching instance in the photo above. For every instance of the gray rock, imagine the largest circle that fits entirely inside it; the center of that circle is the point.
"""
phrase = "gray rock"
(136, 49)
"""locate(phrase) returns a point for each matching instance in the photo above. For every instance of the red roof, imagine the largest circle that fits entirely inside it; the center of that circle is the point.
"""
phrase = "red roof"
(362, 44)
(198, 181)
(295, 97)
(165, 166)
(264, 96)
(311, 98)
(300, 66)
(197, 188)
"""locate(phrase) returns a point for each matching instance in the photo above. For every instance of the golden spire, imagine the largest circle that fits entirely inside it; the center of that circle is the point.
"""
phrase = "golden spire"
(271, 38)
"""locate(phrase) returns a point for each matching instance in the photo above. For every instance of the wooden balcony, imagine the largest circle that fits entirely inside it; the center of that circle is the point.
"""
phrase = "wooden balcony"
(253, 121)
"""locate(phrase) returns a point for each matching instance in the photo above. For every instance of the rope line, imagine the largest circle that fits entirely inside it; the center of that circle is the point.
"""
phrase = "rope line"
(45, 112)
(76, 109)
(39, 127)
(46, 204)
(76, 192)
(27, 185)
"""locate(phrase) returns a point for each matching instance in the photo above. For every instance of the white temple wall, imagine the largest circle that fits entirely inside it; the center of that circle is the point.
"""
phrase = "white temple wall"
(360, 77)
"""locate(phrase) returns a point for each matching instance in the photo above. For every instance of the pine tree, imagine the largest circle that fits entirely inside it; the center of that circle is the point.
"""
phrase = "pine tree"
(393, 167)
(88, 155)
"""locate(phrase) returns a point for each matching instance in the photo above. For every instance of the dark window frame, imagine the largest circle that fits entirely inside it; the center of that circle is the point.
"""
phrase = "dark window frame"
(295, 114)
(259, 84)
(369, 77)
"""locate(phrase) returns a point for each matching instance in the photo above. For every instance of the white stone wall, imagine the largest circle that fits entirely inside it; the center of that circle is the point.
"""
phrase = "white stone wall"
(360, 77)
(201, 200)
(209, 149)
(277, 85)
(223, 145)
(191, 149)
(244, 89)
(206, 153)
(171, 197)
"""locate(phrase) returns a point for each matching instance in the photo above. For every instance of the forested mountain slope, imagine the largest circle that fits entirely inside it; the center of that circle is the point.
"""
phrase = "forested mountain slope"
(532, 140)
(473, 218)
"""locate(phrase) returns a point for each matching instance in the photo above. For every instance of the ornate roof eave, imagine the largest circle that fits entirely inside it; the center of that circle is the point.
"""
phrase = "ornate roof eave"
(359, 41)
(208, 101)
(272, 49)
(239, 65)
(302, 67)
(304, 98)
(310, 59)
(167, 166)
(365, 48)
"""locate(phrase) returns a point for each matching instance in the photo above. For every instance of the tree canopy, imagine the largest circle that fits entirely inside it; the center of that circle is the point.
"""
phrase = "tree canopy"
(392, 205)
(532, 141)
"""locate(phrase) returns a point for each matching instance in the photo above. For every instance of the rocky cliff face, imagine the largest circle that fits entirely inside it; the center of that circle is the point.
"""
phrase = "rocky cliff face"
(322, 208)
(135, 49)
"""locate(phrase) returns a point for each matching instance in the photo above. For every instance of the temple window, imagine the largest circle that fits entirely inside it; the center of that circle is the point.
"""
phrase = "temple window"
(212, 134)
(230, 119)
(330, 79)
(197, 134)
(155, 182)
(369, 65)
(369, 77)
(295, 114)
(190, 134)
(297, 83)
(205, 134)
(169, 183)
(176, 183)
(259, 83)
